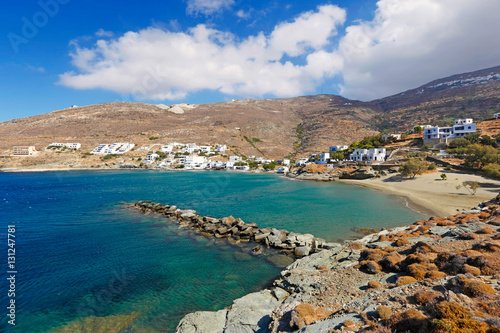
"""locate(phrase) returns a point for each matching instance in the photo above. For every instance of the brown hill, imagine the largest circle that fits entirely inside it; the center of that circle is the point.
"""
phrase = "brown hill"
(273, 128)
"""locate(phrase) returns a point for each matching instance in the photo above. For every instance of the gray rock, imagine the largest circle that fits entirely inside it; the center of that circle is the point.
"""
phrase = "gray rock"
(203, 322)
(330, 246)
(466, 228)
(280, 293)
(280, 260)
(330, 323)
(302, 251)
(274, 240)
(440, 231)
(260, 237)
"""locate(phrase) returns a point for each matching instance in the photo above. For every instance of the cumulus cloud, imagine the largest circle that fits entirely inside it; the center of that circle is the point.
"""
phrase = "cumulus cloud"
(411, 42)
(408, 43)
(158, 64)
(207, 7)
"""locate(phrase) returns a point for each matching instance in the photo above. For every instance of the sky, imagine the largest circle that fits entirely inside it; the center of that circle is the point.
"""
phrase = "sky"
(59, 53)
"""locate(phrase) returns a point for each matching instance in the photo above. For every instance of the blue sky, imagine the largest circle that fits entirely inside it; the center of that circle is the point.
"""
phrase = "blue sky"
(58, 53)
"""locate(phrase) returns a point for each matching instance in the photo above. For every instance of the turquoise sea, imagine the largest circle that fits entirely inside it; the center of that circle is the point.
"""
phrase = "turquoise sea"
(80, 252)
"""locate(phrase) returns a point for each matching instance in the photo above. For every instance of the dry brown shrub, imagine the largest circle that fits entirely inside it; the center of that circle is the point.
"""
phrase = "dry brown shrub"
(303, 315)
(392, 262)
(424, 297)
(401, 242)
(477, 288)
(389, 249)
(370, 267)
(435, 275)
(458, 318)
(409, 321)
(374, 285)
(484, 215)
(404, 280)
(471, 253)
(373, 254)
(422, 247)
(484, 231)
(348, 323)
(322, 268)
(472, 270)
(488, 247)
(384, 312)
(355, 246)
(445, 223)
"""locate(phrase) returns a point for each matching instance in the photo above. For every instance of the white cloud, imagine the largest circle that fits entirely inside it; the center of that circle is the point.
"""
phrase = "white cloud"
(411, 42)
(207, 7)
(407, 44)
(103, 33)
(242, 14)
(159, 64)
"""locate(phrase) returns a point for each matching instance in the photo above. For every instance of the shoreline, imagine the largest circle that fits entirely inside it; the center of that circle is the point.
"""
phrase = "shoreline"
(431, 194)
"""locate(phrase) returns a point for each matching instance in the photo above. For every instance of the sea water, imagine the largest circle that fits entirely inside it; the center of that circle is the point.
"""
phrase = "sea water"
(81, 252)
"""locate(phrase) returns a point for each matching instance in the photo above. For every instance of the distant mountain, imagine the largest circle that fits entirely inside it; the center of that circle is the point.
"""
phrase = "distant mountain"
(273, 128)
(474, 95)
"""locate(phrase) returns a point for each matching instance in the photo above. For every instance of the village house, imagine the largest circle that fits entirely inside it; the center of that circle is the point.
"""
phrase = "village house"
(368, 155)
(324, 158)
(151, 157)
(461, 128)
(24, 151)
(388, 136)
(235, 159)
(115, 148)
(67, 145)
(334, 149)
(301, 161)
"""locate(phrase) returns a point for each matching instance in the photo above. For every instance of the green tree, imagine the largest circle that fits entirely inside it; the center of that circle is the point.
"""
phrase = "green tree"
(472, 137)
(479, 156)
(413, 167)
(470, 186)
(443, 176)
(491, 170)
(338, 156)
(417, 129)
(459, 143)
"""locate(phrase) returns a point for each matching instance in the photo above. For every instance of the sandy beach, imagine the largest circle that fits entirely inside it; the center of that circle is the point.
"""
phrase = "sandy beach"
(429, 194)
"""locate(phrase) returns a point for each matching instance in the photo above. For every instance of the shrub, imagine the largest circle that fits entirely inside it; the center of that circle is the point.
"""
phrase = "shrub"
(491, 170)
(384, 312)
(413, 167)
(153, 138)
(404, 280)
(374, 285)
(424, 297)
(410, 321)
(371, 267)
(402, 242)
(478, 288)
(435, 275)
(472, 270)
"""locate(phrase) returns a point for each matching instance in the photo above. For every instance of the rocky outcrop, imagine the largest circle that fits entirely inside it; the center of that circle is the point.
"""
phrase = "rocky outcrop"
(236, 230)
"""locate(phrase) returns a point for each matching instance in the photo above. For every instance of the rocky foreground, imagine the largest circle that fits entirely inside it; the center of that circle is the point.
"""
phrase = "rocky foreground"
(437, 275)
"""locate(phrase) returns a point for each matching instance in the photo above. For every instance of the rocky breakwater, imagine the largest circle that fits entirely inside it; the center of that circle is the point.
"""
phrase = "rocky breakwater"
(236, 230)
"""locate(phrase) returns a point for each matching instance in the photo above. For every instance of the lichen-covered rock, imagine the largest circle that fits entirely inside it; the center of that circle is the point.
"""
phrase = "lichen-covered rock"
(203, 322)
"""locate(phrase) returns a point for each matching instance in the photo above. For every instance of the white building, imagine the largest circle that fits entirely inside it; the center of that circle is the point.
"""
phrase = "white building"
(459, 129)
(115, 148)
(151, 157)
(195, 162)
(301, 161)
(496, 115)
(167, 149)
(100, 149)
(334, 149)
(284, 162)
(24, 151)
(221, 149)
(235, 159)
(323, 159)
(388, 136)
(67, 145)
(205, 149)
(368, 155)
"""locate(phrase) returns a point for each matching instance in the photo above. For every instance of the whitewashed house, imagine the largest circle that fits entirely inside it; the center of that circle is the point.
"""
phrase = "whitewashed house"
(461, 128)
(284, 162)
(301, 161)
(334, 149)
(496, 115)
(151, 157)
(195, 162)
(221, 149)
(368, 155)
(388, 136)
(100, 149)
(235, 159)
(323, 159)
(205, 149)
(167, 149)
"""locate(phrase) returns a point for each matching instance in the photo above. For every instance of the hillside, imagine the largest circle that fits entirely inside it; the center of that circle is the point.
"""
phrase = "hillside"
(272, 128)
(472, 95)
(282, 126)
